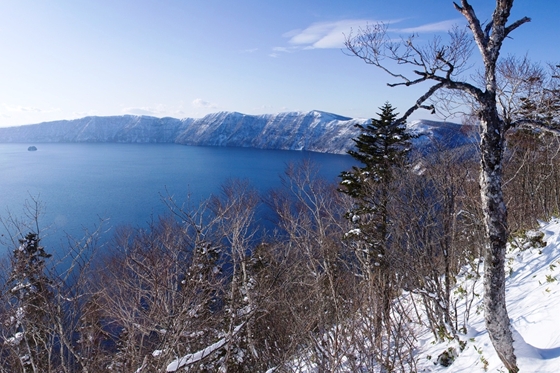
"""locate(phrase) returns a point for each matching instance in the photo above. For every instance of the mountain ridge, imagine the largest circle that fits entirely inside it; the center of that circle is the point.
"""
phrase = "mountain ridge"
(315, 131)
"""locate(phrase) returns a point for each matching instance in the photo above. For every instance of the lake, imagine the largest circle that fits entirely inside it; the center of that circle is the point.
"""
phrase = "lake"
(79, 184)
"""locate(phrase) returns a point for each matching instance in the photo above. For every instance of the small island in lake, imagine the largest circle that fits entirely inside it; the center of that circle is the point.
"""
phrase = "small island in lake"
(32, 148)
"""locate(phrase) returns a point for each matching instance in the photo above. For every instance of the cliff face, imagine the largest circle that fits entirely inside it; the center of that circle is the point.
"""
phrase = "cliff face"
(312, 131)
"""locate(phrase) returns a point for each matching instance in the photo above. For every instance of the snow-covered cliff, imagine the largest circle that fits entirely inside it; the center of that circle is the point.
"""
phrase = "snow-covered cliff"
(126, 128)
(315, 131)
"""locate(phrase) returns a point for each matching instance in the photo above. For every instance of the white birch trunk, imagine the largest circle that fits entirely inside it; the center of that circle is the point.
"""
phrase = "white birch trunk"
(375, 48)
(495, 216)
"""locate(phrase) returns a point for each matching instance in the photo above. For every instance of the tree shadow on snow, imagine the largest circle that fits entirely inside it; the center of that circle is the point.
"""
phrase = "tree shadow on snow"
(548, 353)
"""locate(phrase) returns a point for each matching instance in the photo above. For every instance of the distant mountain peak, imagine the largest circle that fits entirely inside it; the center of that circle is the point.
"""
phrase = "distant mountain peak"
(329, 116)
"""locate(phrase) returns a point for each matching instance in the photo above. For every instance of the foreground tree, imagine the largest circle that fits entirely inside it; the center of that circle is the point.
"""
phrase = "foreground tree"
(31, 293)
(443, 64)
(382, 146)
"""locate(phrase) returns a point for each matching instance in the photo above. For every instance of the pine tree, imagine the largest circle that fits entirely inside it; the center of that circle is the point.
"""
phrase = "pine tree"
(545, 108)
(383, 145)
(29, 296)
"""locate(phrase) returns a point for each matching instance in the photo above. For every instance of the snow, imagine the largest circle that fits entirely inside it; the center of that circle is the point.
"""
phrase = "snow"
(199, 355)
(533, 299)
(19, 287)
(16, 339)
(418, 127)
(354, 232)
(311, 131)
(195, 357)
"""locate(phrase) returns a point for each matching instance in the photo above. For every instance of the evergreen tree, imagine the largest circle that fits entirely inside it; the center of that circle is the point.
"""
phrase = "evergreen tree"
(382, 144)
(541, 102)
(29, 297)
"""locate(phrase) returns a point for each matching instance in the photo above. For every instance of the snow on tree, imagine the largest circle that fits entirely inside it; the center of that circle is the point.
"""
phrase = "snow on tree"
(382, 146)
(443, 64)
(29, 296)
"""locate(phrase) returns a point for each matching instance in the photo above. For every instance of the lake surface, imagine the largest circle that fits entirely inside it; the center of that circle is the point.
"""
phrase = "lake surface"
(81, 183)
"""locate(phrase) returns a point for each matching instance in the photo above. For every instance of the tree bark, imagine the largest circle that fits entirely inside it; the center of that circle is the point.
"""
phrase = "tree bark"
(495, 215)
(489, 42)
(441, 64)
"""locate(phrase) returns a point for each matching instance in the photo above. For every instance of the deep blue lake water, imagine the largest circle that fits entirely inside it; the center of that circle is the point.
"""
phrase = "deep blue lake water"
(81, 183)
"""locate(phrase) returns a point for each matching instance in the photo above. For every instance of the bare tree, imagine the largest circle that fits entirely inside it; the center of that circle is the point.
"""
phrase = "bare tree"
(44, 300)
(156, 293)
(531, 178)
(443, 64)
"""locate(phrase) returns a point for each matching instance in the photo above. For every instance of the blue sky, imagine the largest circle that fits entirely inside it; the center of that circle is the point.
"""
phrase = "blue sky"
(187, 58)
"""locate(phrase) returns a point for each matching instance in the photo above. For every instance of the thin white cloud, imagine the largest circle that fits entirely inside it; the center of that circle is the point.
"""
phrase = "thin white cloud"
(291, 34)
(263, 108)
(277, 50)
(159, 110)
(252, 50)
(139, 111)
(332, 34)
(432, 27)
(283, 49)
(200, 103)
(325, 34)
(81, 114)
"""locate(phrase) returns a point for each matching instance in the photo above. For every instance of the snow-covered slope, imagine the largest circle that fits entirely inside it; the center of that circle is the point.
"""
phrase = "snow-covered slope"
(434, 135)
(126, 128)
(533, 301)
(311, 131)
(315, 131)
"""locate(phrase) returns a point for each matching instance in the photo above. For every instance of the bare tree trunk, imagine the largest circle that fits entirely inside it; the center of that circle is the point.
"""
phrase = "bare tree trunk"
(495, 216)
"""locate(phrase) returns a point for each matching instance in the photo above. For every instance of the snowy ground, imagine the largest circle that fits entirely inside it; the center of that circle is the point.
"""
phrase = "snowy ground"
(533, 299)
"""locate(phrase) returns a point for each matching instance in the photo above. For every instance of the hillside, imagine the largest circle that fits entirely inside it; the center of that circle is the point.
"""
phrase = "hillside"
(315, 131)
(533, 297)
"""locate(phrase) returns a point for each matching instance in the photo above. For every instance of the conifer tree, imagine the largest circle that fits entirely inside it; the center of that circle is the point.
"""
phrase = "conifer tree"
(30, 293)
(545, 109)
(383, 145)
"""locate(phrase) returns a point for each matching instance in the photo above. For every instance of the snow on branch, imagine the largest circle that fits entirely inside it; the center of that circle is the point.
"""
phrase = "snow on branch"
(531, 124)
(195, 357)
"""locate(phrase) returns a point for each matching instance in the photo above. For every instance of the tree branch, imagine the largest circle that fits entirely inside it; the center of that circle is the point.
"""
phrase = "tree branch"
(419, 103)
(474, 24)
(532, 124)
(516, 24)
(411, 82)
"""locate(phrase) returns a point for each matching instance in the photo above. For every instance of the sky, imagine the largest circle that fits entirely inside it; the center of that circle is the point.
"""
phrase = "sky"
(66, 59)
